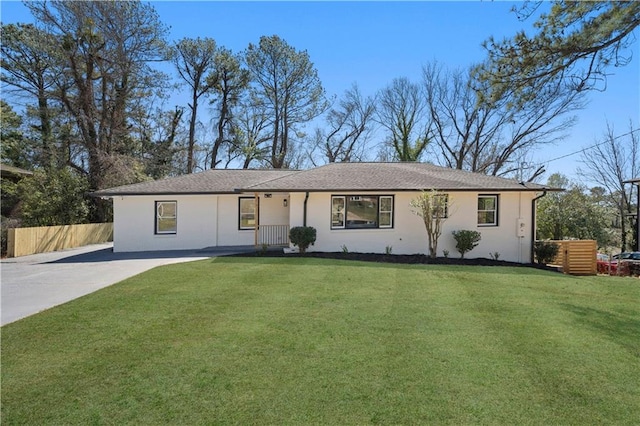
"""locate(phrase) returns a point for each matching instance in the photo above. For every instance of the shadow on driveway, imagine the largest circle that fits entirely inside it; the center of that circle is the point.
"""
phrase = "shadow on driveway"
(107, 254)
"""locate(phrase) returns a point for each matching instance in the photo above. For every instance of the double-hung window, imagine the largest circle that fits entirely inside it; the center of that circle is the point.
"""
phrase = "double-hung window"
(247, 213)
(488, 210)
(166, 217)
(440, 206)
(361, 211)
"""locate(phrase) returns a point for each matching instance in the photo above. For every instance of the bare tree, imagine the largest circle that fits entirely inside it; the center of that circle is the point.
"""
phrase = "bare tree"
(431, 206)
(492, 138)
(402, 112)
(194, 60)
(252, 132)
(610, 163)
(159, 133)
(348, 126)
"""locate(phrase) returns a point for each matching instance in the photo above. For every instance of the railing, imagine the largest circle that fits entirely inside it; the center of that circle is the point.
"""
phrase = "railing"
(25, 241)
(273, 235)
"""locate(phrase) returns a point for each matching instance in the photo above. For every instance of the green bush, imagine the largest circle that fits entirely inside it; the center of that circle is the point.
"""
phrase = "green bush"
(6, 224)
(302, 237)
(466, 240)
(545, 251)
(54, 198)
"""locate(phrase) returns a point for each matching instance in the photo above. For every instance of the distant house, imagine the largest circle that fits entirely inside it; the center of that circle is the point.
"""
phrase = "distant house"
(637, 215)
(361, 206)
(12, 172)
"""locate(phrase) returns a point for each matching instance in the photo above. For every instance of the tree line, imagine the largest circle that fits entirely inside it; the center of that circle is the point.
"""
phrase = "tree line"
(86, 102)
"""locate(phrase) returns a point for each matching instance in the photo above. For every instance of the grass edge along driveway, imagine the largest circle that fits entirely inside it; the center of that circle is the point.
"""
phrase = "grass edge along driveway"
(312, 341)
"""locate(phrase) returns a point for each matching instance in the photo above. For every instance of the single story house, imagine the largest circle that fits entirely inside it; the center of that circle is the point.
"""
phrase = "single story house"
(364, 207)
(12, 172)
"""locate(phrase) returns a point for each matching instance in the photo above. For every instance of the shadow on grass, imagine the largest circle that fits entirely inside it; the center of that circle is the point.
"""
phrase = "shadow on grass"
(622, 329)
(371, 260)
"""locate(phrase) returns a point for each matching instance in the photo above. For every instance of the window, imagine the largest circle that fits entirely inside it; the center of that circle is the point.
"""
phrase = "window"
(487, 210)
(166, 217)
(337, 212)
(361, 211)
(247, 213)
(441, 206)
(386, 212)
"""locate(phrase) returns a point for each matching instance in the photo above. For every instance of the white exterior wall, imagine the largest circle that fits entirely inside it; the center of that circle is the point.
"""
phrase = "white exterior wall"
(408, 235)
(212, 220)
(202, 221)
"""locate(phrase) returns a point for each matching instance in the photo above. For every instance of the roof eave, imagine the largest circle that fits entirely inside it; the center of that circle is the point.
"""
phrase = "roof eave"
(399, 189)
(99, 194)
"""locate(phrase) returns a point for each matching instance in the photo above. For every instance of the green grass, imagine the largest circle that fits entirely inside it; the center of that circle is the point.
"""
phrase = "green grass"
(311, 341)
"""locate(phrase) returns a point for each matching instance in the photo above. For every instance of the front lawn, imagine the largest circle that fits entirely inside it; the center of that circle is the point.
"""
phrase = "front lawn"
(315, 341)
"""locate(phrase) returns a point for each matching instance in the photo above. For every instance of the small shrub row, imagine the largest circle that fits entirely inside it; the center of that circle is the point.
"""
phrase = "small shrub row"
(628, 268)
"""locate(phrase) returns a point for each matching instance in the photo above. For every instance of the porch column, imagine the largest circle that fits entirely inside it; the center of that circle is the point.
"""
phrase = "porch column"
(256, 201)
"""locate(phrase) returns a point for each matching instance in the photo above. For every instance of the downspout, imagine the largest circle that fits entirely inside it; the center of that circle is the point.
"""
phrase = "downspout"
(304, 217)
(533, 221)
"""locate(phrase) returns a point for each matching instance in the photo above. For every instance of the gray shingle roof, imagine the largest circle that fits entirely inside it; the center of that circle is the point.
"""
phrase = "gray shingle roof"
(214, 181)
(389, 177)
(331, 177)
(7, 170)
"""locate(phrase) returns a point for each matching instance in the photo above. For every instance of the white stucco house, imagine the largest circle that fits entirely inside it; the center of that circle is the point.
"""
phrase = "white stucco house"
(361, 206)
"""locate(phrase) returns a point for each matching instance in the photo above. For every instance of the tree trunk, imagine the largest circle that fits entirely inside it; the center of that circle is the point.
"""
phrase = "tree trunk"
(192, 131)
(221, 122)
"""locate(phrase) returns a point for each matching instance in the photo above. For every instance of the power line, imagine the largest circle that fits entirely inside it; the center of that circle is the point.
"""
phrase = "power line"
(592, 146)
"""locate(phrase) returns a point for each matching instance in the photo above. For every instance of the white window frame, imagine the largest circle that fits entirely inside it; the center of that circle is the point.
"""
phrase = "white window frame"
(159, 214)
(495, 211)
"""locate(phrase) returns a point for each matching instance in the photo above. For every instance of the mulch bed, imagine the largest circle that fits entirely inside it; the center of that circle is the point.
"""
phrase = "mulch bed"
(411, 259)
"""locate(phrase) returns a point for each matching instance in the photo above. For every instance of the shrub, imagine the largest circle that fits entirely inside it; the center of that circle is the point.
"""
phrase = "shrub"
(628, 268)
(466, 240)
(302, 237)
(545, 251)
(263, 249)
(6, 224)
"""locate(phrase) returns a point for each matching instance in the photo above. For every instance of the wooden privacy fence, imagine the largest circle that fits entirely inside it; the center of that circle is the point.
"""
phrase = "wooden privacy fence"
(25, 241)
(576, 257)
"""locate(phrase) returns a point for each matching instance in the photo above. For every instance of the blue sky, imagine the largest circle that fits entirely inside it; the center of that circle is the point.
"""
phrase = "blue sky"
(372, 43)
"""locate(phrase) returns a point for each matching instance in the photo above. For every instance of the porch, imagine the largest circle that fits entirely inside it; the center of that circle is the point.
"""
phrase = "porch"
(272, 235)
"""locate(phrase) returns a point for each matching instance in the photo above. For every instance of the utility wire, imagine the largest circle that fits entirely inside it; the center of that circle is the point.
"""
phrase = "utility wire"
(592, 146)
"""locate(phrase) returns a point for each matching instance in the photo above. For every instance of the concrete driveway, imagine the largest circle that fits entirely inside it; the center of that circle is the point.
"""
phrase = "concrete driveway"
(31, 284)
